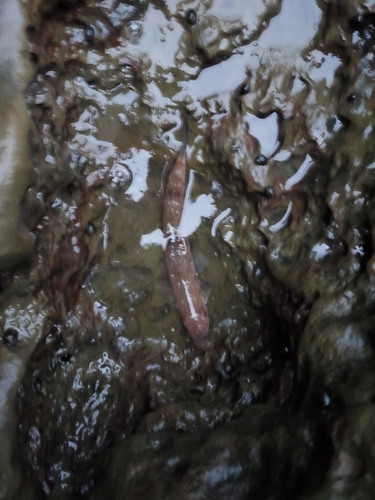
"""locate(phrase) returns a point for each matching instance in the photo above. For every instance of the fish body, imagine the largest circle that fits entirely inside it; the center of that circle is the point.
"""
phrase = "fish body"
(174, 196)
(181, 268)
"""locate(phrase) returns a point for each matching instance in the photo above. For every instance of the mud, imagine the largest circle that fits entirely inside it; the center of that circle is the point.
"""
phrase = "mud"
(105, 395)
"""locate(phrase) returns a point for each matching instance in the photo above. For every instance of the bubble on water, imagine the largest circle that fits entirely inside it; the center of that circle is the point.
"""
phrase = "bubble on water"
(105, 365)
(352, 97)
(326, 400)
(261, 160)
(269, 191)
(34, 436)
(10, 337)
(90, 33)
(64, 358)
(118, 325)
(120, 176)
(135, 31)
(191, 17)
(90, 229)
(244, 89)
(37, 385)
(123, 343)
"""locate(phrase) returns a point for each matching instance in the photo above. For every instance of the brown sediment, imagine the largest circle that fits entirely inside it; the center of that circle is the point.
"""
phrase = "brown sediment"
(181, 268)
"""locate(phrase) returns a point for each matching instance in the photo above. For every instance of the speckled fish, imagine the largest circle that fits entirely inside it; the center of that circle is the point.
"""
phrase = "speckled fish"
(182, 272)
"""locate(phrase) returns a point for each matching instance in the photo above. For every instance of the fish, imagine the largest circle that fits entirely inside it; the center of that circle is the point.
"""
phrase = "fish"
(181, 269)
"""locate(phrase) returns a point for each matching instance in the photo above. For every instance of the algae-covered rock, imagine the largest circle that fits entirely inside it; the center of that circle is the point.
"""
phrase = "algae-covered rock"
(271, 106)
(263, 453)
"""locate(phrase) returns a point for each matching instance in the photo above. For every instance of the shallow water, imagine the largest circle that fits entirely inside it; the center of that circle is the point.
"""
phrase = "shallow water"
(105, 394)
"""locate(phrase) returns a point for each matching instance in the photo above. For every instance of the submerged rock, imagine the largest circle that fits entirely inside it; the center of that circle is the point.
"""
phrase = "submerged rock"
(114, 400)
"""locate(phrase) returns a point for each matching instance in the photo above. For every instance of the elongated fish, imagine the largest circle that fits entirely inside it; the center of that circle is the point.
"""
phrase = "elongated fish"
(181, 269)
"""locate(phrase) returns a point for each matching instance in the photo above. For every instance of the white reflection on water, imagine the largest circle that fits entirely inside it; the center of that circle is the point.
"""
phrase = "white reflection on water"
(294, 27)
(300, 174)
(156, 237)
(266, 130)
(219, 219)
(138, 165)
(227, 10)
(283, 222)
(283, 39)
(320, 250)
(155, 42)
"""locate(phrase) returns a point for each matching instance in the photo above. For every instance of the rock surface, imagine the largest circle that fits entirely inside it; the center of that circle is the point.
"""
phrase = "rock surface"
(114, 399)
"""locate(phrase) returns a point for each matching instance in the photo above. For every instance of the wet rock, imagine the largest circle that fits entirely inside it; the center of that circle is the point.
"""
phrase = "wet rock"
(338, 352)
(116, 398)
(59, 437)
(223, 463)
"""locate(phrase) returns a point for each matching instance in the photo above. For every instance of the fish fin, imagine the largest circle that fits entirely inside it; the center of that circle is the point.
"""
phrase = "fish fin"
(206, 289)
(200, 259)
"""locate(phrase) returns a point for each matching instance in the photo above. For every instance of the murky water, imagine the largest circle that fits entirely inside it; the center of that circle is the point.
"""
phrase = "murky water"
(104, 392)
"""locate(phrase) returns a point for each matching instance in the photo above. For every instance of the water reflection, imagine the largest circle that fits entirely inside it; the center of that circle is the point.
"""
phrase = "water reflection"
(277, 209)
(266, 130)
(138, 166)
(299, 175)
(293, 28)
